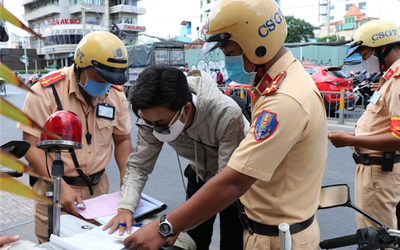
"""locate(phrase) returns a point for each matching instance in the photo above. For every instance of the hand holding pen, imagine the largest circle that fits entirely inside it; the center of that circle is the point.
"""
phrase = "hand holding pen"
(123, 218)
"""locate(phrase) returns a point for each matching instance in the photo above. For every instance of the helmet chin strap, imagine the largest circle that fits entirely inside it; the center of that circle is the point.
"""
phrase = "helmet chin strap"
(382, 56)
(260, 73)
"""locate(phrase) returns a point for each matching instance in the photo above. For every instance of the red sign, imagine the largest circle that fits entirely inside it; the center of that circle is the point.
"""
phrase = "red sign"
(134, 27)
(64, 21)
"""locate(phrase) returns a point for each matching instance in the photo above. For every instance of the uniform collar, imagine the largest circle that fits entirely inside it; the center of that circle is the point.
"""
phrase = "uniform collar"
(393, 71)
(276, 69)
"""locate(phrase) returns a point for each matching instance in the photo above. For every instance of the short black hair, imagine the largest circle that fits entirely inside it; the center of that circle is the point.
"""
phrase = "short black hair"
(160, 85)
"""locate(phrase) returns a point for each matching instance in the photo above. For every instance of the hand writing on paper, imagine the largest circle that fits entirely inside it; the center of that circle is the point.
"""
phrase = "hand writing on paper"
(123, 216)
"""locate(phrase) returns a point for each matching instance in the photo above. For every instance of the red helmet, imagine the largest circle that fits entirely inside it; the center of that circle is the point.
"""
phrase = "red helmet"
(352, 73)
(187, 69)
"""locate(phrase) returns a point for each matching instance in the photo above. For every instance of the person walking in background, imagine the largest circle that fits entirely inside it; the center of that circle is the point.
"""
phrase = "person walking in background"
(91, 83)
(220, 77)
(376, 141)
(277, 170)
(213, 74)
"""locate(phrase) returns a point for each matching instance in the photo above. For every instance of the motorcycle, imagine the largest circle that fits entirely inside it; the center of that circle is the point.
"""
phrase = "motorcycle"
(366, 238)
(32, 80)
(362, 88)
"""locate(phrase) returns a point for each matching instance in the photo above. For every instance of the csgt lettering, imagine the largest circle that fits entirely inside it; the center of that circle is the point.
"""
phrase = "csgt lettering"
(79, 54)
(270, 24)
(384, 34)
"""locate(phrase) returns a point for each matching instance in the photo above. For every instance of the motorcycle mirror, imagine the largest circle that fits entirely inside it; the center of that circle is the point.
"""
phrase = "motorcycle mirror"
(17, 148)
(339, 196)
(334, 196)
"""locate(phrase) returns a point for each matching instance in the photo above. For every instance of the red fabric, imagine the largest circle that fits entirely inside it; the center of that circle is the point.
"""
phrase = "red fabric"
(220, 78)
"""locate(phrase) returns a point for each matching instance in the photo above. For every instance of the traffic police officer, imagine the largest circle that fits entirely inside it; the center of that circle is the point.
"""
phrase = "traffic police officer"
(277, 169)
(88, 87)
(376, 141)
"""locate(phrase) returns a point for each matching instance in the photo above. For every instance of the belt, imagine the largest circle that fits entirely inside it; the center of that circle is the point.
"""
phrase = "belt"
(263, 229)
(94, 179)
(365, 159)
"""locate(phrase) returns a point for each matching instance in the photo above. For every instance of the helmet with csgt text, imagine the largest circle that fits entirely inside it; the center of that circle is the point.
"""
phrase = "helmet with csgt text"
(374, 34)
(258, 26)
(106, 53)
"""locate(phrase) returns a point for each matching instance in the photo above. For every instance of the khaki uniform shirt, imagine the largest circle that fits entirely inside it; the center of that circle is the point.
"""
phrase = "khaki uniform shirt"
(287, 159)
(383, 115)
(94, 157)
(216, 131)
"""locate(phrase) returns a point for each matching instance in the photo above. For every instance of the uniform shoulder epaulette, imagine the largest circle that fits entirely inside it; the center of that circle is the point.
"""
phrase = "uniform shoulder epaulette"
(396, 72)
(52, 78)
(274, 84)
(119, 87)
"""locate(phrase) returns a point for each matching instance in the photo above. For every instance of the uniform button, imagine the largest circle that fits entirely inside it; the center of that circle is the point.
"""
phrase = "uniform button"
(89, 151)
(87, 172)
(108, 125)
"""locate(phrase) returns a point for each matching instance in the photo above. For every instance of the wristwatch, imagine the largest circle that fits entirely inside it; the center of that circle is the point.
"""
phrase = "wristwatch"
(165, 227)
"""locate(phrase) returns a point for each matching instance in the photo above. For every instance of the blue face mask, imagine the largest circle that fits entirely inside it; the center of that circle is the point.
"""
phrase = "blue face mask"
(236, 72)
(94, 88)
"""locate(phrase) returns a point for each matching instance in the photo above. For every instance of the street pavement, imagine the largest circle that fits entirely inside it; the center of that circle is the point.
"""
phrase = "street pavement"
(16, 212)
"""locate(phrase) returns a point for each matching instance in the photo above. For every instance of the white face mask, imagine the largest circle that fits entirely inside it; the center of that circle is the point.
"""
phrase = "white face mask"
(174, 130)
(372, 64)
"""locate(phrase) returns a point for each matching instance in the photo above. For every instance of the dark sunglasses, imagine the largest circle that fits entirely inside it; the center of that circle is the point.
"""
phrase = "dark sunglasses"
(162, 129)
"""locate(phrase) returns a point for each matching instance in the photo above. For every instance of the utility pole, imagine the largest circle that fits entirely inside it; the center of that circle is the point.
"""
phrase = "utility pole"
(329, 20)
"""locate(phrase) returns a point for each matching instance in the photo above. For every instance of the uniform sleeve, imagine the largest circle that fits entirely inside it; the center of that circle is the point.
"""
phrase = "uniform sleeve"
(140, 164)
(278, 123)
(232, 133)
(38, 107)
(393, 104)
(122, 115)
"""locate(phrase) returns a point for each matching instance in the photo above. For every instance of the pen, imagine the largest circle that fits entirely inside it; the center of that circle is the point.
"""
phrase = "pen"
(135, 224)
(80, 205)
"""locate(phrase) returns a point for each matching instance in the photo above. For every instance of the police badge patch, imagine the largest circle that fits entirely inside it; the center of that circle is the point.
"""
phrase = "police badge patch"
(265, 125)
(118, 53)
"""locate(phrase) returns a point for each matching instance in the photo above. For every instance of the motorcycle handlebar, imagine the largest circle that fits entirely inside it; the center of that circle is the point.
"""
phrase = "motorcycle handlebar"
(339, 242)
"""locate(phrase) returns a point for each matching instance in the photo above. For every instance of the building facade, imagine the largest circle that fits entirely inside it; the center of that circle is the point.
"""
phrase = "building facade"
(64, 22)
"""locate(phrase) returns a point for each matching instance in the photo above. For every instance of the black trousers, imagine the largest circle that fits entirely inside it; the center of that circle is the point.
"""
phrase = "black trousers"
(231, 230)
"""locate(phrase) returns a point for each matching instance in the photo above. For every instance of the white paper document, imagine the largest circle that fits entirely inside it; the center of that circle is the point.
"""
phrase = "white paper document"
(93, 239)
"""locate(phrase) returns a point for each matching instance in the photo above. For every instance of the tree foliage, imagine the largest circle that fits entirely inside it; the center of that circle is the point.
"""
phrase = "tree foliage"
(332, 38)
(298, 29)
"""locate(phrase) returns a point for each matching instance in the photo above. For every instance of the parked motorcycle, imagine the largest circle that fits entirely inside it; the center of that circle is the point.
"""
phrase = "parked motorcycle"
(366, 238)
(362, 88)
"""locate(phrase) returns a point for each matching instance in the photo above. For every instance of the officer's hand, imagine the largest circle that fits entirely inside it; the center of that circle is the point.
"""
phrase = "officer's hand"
(5, 240)
(375, 86)
(147, 237)
(339, 138)
(68, 199)
(123, 216)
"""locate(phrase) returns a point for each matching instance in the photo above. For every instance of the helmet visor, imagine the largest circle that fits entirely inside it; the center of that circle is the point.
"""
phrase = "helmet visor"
(117, 76)
(213, 42)
(353, 48)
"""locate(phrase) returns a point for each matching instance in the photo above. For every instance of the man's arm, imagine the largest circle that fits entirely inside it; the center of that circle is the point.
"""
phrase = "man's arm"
(218, 193)
(383, 142)
(37, 159)
(123, 148)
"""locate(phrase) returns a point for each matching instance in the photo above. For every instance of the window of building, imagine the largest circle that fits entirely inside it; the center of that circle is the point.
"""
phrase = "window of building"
(129, 20)
(55, 2)
(332, 7)
(362, 5)
(47, 3)
(332, 18)
(348, 6)
(33, 8)
(40, 6)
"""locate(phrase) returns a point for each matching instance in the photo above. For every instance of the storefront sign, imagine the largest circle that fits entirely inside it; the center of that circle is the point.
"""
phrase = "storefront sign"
(134, 27)
(63, 21)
